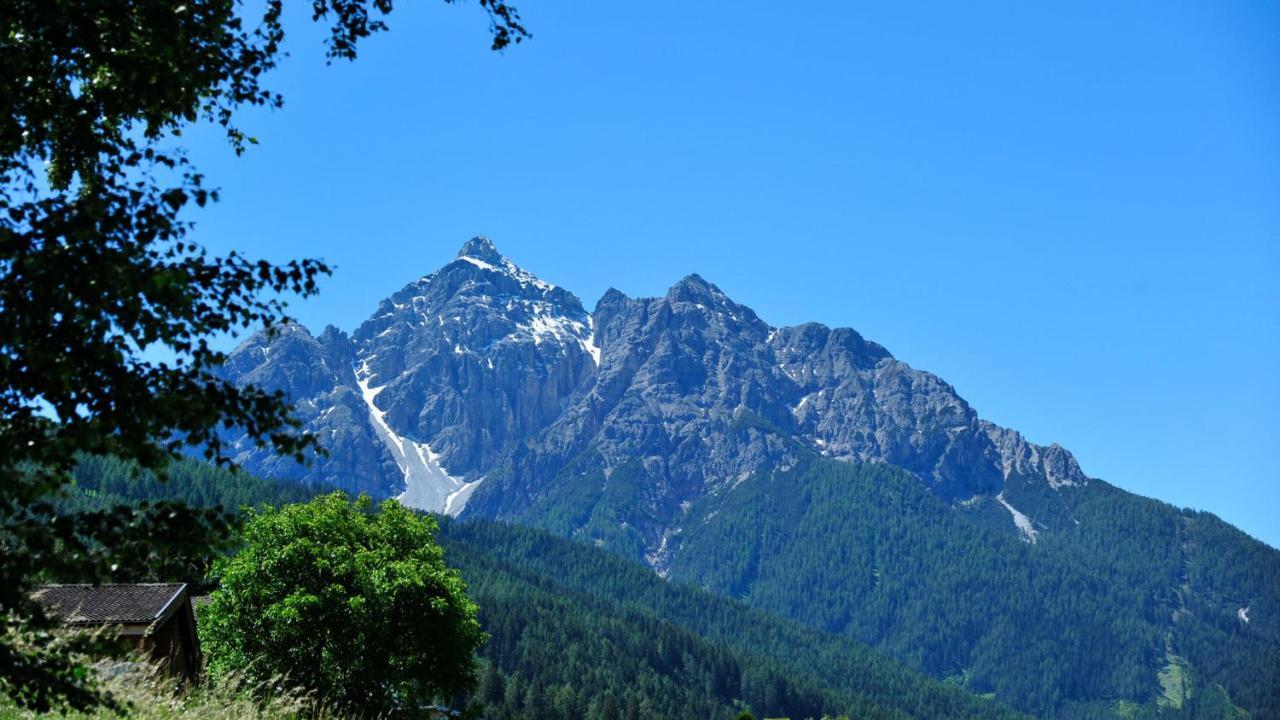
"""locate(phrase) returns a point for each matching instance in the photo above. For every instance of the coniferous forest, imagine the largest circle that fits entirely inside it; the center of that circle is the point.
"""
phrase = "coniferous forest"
(575, 631)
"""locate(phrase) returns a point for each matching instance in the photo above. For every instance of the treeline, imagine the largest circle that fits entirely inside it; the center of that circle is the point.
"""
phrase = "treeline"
(102, 481)
(891, 566)
(555, 654)
(1078, 625)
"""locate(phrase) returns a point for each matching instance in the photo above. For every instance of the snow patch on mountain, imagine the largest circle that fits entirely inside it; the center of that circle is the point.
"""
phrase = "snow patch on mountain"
(479, 263)
(427, 485)
(506, 267)
(804, 402)
(1023, 522)
(540, 314)
(545, 324)
(589, 342)
(457, 499)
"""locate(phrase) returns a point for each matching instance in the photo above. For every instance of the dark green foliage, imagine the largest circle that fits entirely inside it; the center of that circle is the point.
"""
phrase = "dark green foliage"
(883, 561)
(103, 481)
(573, 655)
(778, 663)
(352, 604)
(1085, 613)
(601, 506)
(164, 531)
(1122, 568)
(1199, 573)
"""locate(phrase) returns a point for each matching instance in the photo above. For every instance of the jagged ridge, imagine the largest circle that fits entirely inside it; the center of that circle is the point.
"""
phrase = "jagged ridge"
(481, 370)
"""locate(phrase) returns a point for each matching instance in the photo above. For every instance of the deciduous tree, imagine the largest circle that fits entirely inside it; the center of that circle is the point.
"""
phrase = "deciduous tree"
(353, 604)
(99, 275)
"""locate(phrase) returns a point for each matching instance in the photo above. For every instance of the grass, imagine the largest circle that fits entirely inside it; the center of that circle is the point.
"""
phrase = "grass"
(1173, 683)
(147, 696)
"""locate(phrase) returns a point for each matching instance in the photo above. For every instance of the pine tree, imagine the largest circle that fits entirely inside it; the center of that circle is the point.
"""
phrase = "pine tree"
(535, 702)
(491, 685)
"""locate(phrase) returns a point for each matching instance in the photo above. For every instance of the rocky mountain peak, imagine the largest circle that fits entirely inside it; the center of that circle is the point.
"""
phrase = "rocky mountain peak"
(483, 378)
(695, 288)
(480, 269)
(481, 248)
(696, 300)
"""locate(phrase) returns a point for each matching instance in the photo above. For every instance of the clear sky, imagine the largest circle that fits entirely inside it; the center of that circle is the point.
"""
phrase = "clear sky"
(1071, 213)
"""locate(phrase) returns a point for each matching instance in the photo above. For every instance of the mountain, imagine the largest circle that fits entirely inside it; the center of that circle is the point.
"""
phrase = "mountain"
(804, 470)
(452, 371)
(481, 371)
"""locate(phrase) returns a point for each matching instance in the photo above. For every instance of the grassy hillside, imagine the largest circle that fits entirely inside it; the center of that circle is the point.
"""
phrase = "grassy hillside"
(157, 699)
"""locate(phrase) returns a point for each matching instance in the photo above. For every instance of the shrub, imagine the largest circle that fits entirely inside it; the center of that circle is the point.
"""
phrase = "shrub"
(353, 604)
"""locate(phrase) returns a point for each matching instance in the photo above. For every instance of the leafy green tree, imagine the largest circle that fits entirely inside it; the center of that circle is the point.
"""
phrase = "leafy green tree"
(98, 277)
(353, 604)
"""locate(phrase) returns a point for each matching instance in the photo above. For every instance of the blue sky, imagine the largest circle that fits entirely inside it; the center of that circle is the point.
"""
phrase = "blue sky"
(1071, 213)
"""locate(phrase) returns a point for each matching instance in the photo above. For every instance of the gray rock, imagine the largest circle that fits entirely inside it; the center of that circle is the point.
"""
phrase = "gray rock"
(503, 397)
(315, 375)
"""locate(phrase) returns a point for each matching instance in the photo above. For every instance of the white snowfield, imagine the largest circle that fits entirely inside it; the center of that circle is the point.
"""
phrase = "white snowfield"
(427, 485)
(589, 342)
(1023, 522)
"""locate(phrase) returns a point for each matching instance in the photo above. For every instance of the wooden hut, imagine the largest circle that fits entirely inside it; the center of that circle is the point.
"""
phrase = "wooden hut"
(155, 619)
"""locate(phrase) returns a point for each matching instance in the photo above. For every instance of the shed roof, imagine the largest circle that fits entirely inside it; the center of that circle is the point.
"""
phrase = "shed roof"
(110, 604)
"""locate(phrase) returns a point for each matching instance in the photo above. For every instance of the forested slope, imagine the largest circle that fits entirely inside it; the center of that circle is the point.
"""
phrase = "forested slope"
(579, 570)
(1216, 590)
(1106, 611)
(578, 632)
(1139, 603)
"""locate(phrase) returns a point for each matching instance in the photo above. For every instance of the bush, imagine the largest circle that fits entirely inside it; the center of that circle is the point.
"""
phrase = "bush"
(353, 604)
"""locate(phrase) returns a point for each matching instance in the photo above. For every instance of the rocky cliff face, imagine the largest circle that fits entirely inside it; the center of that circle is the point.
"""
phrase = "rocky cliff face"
(859, 403)
(475, 357)
(316, 375)
(481, 388)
